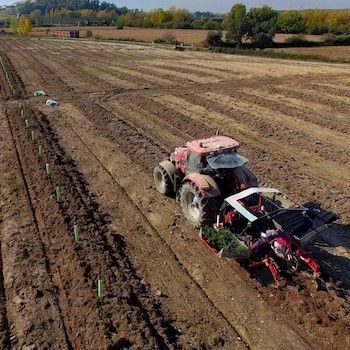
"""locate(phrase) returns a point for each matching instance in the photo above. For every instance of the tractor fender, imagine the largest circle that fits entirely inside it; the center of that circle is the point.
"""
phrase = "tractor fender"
(169, 167)
(206, 184)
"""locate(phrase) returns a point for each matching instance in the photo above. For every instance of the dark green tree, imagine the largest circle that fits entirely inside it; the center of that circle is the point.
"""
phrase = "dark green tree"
(261, 26)
(212, 25)
(214, 38)
(236, 24)
(291, 22)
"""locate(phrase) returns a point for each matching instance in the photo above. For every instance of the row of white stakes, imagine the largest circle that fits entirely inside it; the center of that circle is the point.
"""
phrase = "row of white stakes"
(58, 194)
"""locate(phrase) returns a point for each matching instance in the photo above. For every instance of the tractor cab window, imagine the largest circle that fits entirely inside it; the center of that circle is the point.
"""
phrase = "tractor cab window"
(230, 160)
(194, 163)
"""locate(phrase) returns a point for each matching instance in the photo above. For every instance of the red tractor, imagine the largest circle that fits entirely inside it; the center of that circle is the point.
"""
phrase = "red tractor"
(202, 174)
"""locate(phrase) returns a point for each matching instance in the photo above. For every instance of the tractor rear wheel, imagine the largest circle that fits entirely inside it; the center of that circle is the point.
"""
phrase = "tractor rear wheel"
(198, 209)
(162, 181)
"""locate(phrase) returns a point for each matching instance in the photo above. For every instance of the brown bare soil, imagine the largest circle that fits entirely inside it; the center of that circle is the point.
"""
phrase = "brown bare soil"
(122, 109)
(327, 51)
(187, 36)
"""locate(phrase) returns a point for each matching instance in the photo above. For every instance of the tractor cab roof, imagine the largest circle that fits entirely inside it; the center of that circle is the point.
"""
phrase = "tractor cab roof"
(212, 145)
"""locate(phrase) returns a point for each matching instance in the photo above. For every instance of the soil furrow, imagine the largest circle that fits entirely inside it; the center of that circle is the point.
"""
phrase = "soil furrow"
(5, 342)
(99, 258)
(31, 303)
(139, 146)
(304, 135)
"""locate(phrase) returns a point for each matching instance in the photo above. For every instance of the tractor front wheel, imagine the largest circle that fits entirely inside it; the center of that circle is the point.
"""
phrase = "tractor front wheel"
(198, 209)
(162, 181)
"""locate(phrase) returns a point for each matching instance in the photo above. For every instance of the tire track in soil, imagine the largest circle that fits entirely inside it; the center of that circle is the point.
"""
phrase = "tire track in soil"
(98, 257)
(326, 86)
(304, 135)
(261, 91)
(333, 92)
(340, 102)
(264, 98)
(14, 85)
(5, 343)
(314, 103)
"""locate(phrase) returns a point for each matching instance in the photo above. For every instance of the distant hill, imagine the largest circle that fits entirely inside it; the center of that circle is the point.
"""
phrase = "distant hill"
(44, 6)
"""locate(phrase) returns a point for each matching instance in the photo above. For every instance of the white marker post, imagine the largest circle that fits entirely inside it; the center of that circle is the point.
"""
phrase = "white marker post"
(76, 233)
(48, 170)
(58, 194)
(99, 288)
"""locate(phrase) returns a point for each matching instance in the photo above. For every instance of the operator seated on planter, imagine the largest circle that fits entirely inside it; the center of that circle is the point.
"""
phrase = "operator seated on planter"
(261, 245)
(236, 223)
(279, 241)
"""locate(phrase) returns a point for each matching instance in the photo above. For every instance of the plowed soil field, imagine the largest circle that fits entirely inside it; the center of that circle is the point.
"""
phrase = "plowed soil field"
(88, 164)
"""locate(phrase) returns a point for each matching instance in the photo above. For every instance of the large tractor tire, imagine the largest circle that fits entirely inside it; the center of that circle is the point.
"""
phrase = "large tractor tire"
(198, 209)
(162, 179)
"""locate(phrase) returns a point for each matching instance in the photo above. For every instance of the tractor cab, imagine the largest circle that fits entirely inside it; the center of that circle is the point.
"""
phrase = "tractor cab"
(218, 158)
(208, 155)
(203, 173)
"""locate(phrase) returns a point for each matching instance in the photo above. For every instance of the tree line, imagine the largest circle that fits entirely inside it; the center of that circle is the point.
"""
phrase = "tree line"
(315, 21)
(258, 26)
(260, 22)
(44, 6)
